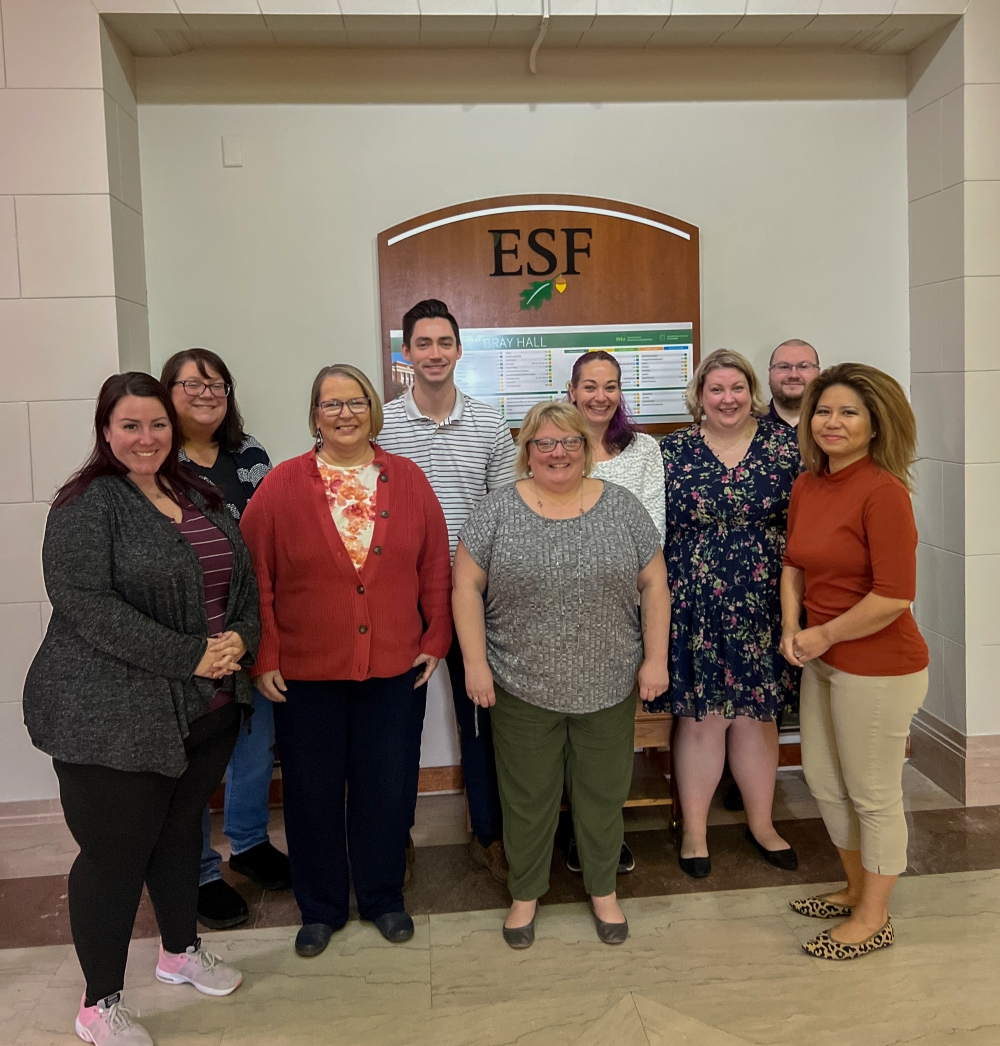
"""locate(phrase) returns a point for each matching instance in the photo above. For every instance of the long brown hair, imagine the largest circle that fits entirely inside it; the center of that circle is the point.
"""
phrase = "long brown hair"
(171, 477)
(229, 435)
(894, 443)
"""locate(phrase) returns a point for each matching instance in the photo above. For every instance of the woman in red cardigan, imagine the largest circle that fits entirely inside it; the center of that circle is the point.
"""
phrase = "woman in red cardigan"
(351, 552)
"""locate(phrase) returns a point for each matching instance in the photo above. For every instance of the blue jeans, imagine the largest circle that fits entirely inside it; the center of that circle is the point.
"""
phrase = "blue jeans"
(248, 783)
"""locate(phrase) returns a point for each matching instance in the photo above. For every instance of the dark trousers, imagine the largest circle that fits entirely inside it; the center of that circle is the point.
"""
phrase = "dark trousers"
(479, 766)
(135, 828)
(338, 733)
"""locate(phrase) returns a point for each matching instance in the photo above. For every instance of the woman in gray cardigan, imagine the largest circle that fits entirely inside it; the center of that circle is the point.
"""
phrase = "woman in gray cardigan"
(137, 690)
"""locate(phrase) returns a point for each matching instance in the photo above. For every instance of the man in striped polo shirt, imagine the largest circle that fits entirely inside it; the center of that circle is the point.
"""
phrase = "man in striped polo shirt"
(465, 449)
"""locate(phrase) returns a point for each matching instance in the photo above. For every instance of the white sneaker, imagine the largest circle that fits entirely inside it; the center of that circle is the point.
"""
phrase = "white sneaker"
(110, 1023)
(207, 972)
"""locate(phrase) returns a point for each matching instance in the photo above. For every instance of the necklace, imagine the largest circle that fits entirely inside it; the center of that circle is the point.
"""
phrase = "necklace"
(718, 449)
(538, 498)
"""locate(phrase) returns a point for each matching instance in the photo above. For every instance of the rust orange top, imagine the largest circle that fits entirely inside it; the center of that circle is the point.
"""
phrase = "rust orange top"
(852, 533)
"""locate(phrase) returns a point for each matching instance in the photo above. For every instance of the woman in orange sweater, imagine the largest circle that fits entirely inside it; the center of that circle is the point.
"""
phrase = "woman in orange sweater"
(351, 552)
(851, 561)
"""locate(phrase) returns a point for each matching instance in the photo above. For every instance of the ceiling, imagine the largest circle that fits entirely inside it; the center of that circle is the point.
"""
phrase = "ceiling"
(888, 27)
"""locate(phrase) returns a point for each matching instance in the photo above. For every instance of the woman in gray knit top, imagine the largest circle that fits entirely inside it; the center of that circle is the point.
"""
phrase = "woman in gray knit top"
(136, 691)
(545, 580)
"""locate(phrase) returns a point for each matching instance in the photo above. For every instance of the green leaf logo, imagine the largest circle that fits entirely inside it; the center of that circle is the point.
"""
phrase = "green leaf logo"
(540, 291)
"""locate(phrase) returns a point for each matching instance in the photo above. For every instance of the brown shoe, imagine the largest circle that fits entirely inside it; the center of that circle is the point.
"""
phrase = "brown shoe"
(491, 857)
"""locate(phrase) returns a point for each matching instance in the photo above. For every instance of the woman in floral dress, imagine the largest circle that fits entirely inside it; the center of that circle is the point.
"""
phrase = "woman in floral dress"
(728, 481)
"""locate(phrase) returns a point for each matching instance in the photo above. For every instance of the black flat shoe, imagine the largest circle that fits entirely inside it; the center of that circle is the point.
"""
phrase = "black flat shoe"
(521, 936)
(395, 927)
(312, 939)
(610, 933)
(220, 906)
(265, 865)
(787, 859)
(573, 858)
(626, 862)
(733, 799)
(696, 867)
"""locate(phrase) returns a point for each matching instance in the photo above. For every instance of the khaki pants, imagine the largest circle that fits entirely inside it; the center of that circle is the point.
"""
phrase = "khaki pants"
(536, 751)
(854, 731)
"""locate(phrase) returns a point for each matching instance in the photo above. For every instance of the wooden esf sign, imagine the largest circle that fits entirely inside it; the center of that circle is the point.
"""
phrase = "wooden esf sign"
(568, 267)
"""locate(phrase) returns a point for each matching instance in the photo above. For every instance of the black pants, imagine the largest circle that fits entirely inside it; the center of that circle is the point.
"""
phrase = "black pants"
(339, 733)
(135, 828)
(479, 766)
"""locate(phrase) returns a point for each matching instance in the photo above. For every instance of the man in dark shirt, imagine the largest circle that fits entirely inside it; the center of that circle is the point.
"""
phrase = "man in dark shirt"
(793, 365)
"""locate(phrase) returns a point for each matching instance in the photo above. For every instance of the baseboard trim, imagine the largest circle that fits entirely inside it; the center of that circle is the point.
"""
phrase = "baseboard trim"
(966, 767)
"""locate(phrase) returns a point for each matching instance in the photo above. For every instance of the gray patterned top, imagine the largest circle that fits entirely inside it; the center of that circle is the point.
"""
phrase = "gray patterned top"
(562, 624)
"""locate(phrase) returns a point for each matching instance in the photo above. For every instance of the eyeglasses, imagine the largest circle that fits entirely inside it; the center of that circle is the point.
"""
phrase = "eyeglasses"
(787, 368)
(196, 388)
(546, 446)
(333, 408)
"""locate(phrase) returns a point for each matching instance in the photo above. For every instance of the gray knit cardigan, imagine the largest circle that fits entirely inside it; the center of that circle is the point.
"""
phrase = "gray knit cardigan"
(112, 683)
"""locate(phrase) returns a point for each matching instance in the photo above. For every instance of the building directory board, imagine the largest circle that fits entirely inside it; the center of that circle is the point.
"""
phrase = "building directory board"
(514, 368)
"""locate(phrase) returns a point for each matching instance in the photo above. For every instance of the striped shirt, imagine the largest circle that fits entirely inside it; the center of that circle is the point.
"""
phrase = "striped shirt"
(216, 556)
(465, 457)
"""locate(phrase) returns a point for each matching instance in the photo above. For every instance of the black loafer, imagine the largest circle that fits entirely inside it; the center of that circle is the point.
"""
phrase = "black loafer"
(787, 859)
(733, 799)
(312, 939)
(626, 862)
(220, 906)
(573, 858)
(696, 867)
(521, 936)
(395, 927)
(610, 933)
(265, 865)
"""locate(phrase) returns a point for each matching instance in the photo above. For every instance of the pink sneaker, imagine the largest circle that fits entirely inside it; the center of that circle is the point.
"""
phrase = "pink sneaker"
(109, 1023)
(207, 972)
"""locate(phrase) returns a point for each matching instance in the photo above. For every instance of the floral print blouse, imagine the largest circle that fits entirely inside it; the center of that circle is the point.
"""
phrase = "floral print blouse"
(350, 493)
(725, 539)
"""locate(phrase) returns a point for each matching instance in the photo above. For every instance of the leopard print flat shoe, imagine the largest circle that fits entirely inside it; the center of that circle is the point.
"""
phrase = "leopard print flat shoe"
(819, 908)
(825, 947)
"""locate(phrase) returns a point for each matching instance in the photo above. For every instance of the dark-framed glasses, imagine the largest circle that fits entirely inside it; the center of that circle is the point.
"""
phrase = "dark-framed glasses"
(546, 446)
(333, 408)
(196, 388)
(787, 368)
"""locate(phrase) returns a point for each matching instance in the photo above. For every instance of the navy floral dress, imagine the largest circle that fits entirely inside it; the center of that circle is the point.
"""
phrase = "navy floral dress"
(725, 539)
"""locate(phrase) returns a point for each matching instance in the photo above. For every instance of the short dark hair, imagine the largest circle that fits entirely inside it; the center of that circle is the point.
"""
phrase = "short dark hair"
(430, 309)
(229, 435)
(798, 343)
(172, 477)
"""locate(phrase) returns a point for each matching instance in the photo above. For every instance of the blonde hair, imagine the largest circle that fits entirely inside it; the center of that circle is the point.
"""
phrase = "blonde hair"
(894, 426)
(345, 370)
(717, 361)
(564, 416)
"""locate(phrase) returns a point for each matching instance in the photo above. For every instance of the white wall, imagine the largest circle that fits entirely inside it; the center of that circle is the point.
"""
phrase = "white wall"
(802, 208)
(801, 205)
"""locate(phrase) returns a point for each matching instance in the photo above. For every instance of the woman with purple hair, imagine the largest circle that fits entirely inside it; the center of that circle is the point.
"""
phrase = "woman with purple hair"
(624, 456)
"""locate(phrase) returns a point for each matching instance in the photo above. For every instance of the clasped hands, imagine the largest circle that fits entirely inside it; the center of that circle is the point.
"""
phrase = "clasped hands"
(805, 645)
(222, 656)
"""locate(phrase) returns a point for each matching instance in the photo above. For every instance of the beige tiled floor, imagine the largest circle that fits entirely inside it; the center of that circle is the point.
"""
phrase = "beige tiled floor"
(713, 969)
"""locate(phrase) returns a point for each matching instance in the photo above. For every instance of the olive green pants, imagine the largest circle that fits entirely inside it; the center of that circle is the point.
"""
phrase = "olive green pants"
(536, 752)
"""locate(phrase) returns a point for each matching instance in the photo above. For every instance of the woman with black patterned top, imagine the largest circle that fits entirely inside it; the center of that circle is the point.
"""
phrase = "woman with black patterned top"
(215, 446)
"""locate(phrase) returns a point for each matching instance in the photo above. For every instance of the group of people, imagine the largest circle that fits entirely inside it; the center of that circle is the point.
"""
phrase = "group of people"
(208, 607)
